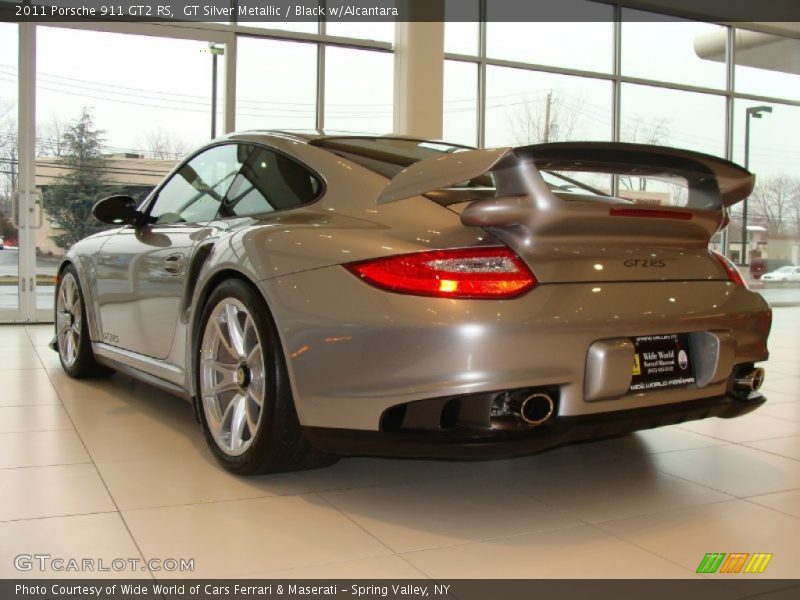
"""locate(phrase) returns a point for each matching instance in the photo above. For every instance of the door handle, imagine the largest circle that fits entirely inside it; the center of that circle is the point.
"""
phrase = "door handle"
(34, 217)
(35, 209)
(173, 264)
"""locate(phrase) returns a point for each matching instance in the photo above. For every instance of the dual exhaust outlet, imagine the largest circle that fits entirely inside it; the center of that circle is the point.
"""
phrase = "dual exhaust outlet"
(749, 381)
(535, 409)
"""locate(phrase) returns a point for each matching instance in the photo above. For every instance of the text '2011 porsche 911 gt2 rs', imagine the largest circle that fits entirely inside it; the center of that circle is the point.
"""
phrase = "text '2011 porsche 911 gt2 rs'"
(317, 296)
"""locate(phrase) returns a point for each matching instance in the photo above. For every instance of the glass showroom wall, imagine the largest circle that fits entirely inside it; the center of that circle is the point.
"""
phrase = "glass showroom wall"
(127, 108)
(645, 78)
(336, 76)
(154, 94)
(9, 170)
(137, 98)
(627, 76)
(274, 92)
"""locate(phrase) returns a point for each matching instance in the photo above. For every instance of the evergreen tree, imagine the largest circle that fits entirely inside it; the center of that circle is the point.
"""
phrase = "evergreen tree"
(69, 201)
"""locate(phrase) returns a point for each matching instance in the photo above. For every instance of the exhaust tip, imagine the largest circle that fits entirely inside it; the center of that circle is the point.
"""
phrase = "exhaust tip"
(750, 381)
(536, 409)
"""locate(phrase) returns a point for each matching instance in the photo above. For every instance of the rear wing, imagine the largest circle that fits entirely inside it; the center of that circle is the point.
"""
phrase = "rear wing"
(713, 183)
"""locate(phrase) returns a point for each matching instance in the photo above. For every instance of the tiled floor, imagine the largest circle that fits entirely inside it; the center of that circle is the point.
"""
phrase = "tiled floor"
(115, 469)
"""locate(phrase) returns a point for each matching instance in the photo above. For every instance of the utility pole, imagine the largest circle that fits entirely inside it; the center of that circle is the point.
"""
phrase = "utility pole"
(547, 103)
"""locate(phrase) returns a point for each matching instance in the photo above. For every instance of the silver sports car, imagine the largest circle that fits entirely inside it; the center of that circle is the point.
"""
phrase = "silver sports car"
(315, 296)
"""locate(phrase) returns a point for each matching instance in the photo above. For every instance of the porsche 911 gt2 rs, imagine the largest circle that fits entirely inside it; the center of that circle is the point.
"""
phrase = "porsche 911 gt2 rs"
(316, 296)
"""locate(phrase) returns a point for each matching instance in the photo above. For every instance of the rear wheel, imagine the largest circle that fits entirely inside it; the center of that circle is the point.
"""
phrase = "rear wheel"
(245, 400)
(72, 330)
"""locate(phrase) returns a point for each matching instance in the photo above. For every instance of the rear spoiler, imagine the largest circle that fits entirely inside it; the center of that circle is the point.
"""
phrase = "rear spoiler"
(713, 183)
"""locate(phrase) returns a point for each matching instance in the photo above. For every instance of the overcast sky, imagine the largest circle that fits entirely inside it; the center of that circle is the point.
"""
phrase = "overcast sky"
(136, 84)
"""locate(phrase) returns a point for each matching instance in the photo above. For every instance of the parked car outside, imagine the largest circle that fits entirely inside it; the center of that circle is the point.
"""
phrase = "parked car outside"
(759, 266)
(784, 274)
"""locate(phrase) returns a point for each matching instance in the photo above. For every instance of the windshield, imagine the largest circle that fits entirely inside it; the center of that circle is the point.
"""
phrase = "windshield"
(388, 156)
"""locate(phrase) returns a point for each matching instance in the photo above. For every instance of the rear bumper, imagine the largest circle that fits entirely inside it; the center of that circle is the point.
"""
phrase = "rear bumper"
(354, 352)
(468, 444)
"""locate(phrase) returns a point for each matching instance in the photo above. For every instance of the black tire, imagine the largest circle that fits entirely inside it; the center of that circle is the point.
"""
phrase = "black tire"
(84, 364)
(279, 444)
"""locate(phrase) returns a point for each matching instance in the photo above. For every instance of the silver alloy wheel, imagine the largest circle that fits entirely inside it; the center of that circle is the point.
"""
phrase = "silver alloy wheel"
(68, 319)
(232, 376)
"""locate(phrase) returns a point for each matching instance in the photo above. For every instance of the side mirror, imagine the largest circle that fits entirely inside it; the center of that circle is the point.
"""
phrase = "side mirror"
(116, 210)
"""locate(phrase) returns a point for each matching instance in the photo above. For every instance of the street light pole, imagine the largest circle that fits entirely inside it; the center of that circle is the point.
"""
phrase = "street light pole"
(754, 112)
(215, 52)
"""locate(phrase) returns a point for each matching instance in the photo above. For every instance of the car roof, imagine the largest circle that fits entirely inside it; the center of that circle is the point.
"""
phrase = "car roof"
(309, 135)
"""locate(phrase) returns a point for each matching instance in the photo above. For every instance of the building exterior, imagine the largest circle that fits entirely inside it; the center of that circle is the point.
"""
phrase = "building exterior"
(138, 175)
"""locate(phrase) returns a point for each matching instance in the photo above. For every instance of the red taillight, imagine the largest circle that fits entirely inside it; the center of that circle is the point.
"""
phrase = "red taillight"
(464, 273)
(730, 269)
(651, 213)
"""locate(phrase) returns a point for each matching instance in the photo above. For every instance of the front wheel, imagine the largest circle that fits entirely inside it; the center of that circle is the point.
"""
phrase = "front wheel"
(72, 330)
(245, 400)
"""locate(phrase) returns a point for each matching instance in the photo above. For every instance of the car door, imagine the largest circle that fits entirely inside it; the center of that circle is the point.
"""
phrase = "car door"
(141, 272)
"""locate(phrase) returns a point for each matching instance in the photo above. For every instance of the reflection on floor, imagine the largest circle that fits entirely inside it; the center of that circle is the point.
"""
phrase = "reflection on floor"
(115, 469)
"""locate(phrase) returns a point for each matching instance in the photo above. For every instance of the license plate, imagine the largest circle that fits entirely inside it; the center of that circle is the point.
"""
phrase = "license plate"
(660, 362)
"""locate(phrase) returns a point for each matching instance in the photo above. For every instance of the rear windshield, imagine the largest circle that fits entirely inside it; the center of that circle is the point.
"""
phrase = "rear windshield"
(388, 156)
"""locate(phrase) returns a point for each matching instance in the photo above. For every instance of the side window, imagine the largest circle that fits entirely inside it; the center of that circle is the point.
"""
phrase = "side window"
(268, 181)
(195, 192)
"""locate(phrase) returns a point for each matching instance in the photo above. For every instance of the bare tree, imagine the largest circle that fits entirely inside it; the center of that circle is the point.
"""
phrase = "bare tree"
(162, 144)
(642, 131)
(9, 168)
(50, 138)
(776, 202)
(550, 119)
(793, 209)
(9, 154)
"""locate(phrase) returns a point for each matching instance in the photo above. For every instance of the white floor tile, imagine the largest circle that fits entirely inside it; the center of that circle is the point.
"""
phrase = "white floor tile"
(252, 536)
(382, 567)
(429, 514)
(613, 489)
(753, 426)
(44, 417)
(100, 537)
(788, 446)
(578, 552)
(685, 536)
(735, 470)
(35, 492)
(41, 448)
(785, 502)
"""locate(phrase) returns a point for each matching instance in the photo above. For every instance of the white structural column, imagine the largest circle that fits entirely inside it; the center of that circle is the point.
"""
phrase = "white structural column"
(419, 78)
(229, 121)
(26, 182)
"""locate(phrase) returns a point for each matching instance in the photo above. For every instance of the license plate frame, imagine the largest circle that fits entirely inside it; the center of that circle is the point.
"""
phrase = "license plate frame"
(661, 362)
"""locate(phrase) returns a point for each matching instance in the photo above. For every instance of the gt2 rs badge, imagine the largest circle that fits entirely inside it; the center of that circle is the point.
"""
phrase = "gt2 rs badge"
(645, 263)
